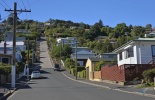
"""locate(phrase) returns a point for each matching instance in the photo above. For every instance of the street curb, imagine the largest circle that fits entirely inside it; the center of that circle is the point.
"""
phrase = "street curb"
(10, 92)
(106, 87)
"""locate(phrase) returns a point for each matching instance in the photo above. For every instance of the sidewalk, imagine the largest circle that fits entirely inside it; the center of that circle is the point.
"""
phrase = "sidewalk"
(5, 90)
(150, 92)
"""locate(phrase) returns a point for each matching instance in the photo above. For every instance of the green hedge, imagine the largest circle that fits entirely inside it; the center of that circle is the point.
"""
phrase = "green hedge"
(82, 74)
(149, 75)
(79, 69)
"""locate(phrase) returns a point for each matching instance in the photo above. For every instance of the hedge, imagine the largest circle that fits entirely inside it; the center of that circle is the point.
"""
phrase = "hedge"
(79, 69)
(149, 75)
(82, 74)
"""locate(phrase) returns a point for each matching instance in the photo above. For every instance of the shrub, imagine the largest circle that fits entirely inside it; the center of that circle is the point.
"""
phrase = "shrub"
(73, 71)
(149, 75)
(82, 74)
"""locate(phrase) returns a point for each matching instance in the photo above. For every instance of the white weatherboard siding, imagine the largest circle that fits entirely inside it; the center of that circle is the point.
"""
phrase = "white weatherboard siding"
(130, 60)
(144, 52)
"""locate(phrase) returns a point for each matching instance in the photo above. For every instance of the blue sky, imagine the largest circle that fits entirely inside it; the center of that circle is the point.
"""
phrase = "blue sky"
(111, 12)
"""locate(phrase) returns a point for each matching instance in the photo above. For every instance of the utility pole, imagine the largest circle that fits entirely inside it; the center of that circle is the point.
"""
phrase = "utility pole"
(76, 60)
(13, 71)
(28, 60)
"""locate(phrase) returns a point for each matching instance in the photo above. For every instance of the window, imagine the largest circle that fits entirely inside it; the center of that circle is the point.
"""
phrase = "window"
(5, 60)
(120, 56)
(153, 50)
(129, 52)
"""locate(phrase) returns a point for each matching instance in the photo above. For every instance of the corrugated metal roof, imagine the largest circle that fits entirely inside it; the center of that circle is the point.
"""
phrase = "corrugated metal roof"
(95, 59)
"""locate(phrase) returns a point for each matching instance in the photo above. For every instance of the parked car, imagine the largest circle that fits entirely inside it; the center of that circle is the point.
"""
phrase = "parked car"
(57, 67)
(35, 74)
(36, 68)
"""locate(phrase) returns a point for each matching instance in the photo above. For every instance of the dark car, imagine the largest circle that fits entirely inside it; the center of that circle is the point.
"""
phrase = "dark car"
(36, 68)
(57, 67)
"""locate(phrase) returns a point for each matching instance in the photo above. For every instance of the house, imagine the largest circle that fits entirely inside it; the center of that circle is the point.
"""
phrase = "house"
(91, 73)
(133, 58)
(7, 49)
(17, 39)
(108, 56)
(139, 51)
(82, 56)
(151, 34)
(72, 41)
(79, 49)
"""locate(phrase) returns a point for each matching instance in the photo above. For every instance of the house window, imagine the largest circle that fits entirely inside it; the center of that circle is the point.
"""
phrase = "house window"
(120, 56)
(5, 60)
(153, 50)
(129, 52)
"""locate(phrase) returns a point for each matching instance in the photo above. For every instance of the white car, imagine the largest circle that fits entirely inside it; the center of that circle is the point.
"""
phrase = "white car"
(36, 74)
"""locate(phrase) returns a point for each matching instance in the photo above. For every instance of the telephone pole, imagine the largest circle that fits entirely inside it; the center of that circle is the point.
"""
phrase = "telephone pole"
(13, 71)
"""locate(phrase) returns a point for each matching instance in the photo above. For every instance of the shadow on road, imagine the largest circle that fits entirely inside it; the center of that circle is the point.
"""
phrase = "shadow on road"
(44, 72)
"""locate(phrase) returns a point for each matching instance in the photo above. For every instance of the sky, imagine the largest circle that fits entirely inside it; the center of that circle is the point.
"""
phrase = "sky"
(111, 12)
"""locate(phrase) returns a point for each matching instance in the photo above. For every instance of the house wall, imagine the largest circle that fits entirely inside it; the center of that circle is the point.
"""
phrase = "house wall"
(142, 54)
(97, 74)
(113, 73)
(89, 64)
(130, 60)
(82, 62)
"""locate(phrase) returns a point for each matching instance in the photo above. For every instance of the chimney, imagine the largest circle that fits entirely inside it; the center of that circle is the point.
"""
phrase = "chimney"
(5, 47)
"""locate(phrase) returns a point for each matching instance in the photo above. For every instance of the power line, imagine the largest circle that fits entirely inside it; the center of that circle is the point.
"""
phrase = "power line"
(29, 7)
(23, 4)
(2, 5)
(34, 2)
(18, 4)
(6, 4)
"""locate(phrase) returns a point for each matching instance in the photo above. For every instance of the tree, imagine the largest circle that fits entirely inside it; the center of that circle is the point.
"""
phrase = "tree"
(120, 29)
(138, 31)
(99, 65)
(10, 20)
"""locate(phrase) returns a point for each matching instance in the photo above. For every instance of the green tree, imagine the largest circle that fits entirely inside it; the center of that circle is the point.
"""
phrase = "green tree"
(99, 65)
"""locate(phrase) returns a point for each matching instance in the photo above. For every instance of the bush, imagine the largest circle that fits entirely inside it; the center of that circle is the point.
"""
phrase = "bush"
(149, 75)
(82, 74)
(73, 71)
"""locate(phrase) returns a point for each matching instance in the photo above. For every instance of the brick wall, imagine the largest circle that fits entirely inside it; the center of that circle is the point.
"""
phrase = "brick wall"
(125, 72)
(113, 73)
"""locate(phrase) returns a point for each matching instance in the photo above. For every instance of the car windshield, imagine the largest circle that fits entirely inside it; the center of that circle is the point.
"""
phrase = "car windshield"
(56, 66)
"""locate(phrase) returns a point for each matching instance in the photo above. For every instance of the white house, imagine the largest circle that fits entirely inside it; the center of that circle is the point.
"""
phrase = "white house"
(6, 48)
(68, 40)
(139, 51)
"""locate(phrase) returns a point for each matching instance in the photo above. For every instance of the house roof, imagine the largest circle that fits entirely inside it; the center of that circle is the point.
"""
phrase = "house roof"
(132, 42)
(5, 55)
(85, 52)
(95, 59)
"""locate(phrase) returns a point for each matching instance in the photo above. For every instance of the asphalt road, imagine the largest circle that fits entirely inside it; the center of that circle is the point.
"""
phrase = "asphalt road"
(55, 86)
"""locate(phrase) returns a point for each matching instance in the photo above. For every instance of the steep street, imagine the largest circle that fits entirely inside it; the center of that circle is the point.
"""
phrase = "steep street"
(55, 86)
